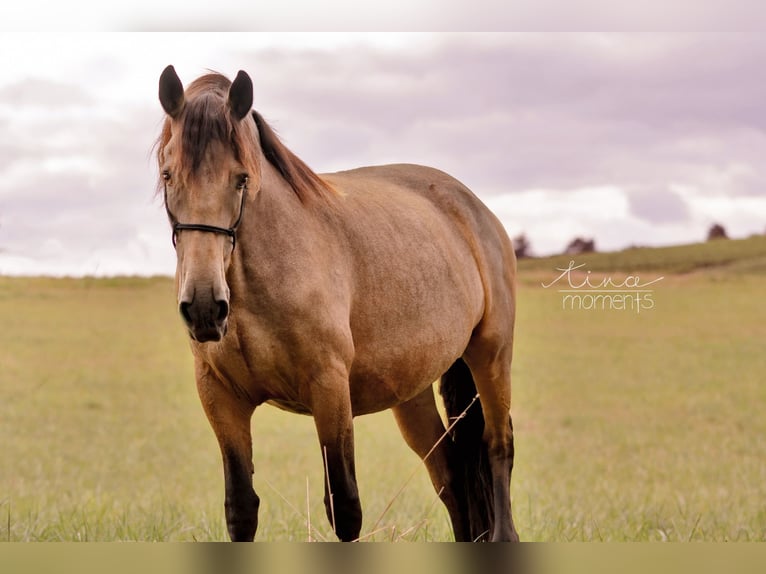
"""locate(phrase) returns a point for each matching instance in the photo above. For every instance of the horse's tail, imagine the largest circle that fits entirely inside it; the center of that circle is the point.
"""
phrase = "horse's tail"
(471, 466)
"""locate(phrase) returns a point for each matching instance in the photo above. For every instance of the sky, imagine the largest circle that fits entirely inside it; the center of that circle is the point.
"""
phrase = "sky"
(631, 139)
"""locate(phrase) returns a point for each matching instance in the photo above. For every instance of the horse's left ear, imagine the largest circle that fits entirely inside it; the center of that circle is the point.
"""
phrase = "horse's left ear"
(241, 95)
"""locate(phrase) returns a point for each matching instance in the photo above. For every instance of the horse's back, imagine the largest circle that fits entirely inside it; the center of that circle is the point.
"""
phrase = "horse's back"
(426, 256)
(398, 185)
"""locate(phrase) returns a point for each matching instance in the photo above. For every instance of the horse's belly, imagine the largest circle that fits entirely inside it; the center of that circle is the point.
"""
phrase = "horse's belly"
(403, 344)
(389, 374)
(294, 407)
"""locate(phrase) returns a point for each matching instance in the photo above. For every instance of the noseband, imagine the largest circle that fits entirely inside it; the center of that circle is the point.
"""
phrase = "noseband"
(230, 231)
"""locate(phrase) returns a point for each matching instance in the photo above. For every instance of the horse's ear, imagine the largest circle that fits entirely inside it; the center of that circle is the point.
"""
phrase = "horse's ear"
(171, 92)
(241, 95)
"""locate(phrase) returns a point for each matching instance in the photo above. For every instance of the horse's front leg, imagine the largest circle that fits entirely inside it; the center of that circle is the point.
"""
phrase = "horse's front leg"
(230, 415)
(331, 407)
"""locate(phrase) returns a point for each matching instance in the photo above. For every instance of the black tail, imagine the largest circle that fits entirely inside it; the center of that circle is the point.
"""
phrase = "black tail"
(472, 460)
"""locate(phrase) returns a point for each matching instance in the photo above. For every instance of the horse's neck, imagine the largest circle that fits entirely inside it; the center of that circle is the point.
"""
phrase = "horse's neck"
(276, 227)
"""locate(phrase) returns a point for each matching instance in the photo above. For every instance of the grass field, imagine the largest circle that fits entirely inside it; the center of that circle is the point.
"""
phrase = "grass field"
(629, 426)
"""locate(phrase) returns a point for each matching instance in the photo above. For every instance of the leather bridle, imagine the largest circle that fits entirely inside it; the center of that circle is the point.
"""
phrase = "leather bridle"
(229, 231)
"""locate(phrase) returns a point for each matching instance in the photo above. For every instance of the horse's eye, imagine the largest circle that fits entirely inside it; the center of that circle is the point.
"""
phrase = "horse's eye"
(165, 175)
(242, 183)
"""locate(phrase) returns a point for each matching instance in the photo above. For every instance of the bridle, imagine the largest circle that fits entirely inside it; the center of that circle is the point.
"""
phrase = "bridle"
(230, 231)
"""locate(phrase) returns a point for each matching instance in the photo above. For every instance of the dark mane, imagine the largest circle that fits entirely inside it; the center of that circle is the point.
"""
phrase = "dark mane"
(304, 181)
(205, 120)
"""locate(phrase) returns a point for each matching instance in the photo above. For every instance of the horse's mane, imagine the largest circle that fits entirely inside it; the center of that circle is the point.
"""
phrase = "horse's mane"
(304, 181)
(205, 120)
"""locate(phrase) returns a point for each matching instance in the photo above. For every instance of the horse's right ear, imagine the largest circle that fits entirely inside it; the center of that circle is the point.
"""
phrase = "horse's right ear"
(171, 92)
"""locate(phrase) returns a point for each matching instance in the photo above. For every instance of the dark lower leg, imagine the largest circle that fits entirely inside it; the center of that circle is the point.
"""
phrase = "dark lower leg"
(501, 462)
(230, 418)
(331, 406)
(344, 510)
(242, 502)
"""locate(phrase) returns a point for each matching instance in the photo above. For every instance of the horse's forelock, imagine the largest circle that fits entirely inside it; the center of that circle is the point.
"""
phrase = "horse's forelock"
(204, 121)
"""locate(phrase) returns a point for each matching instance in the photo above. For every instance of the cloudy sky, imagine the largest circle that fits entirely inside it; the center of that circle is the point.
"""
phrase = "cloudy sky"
(630, 139)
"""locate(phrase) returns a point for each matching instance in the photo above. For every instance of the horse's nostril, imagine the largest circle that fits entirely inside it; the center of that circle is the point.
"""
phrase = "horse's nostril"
(223, 310)
(184, 308)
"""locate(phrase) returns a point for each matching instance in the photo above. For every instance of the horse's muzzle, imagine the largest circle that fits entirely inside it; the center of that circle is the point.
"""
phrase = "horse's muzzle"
(206, 320)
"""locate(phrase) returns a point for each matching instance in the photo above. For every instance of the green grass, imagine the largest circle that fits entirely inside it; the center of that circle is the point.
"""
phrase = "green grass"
(644, 426)
(629, 426)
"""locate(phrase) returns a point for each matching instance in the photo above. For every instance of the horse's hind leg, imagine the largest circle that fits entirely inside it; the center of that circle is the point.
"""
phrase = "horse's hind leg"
(422, 429)
(230, 418)
(491, 370)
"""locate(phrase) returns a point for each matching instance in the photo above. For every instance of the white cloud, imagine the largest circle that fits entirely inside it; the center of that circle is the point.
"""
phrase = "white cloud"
(551, 219)
(741, 216)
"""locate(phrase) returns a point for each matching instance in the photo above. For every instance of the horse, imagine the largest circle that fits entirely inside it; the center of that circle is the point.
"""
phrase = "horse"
(335, 296)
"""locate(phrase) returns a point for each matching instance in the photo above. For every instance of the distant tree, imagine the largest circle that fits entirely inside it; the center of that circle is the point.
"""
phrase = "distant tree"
(716, 231)
(580, 245)
(521, 246)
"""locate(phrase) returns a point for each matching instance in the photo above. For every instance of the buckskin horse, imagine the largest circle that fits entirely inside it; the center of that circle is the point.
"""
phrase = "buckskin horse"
(334, 296)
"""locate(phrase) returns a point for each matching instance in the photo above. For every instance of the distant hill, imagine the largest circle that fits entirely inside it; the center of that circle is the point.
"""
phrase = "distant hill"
(735, 255)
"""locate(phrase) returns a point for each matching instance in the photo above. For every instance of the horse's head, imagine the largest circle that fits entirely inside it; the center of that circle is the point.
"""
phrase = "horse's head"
(208, 156)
